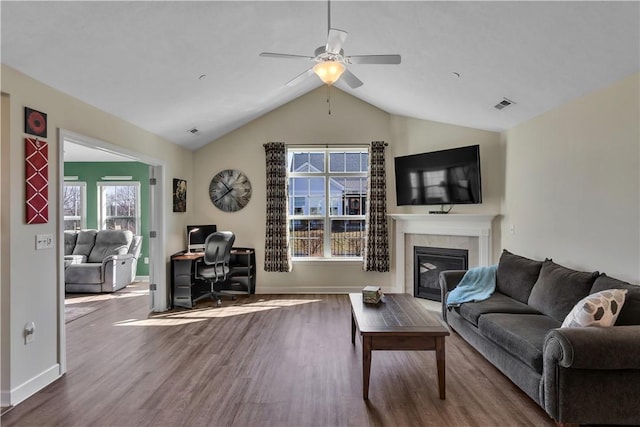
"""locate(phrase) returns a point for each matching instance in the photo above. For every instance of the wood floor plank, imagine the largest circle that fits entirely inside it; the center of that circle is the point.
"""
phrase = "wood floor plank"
(263, 360)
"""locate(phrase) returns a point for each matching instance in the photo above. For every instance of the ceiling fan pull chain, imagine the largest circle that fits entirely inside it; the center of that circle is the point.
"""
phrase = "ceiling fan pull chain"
(329, 98)
(328, 16)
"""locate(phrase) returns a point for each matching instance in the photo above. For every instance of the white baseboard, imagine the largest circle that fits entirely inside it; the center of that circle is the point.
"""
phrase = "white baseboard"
(142, 278)
(30, 387)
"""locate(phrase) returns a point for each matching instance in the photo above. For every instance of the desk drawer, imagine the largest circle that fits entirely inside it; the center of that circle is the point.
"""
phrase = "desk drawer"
(182, 280)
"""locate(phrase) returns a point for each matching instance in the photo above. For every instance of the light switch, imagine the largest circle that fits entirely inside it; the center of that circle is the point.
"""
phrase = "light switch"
(44, 241)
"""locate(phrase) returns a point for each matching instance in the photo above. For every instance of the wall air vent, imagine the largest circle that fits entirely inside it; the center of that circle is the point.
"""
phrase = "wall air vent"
(193, 130)
(503, 104)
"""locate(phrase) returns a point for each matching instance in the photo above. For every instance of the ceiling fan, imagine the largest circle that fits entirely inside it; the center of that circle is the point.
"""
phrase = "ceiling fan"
(331, 62)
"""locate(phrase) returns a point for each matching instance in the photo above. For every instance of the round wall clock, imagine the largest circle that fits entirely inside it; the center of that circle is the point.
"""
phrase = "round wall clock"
(230, 190)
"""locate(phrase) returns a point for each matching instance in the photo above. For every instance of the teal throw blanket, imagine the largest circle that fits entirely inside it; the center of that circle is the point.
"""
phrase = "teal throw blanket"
(477, 284)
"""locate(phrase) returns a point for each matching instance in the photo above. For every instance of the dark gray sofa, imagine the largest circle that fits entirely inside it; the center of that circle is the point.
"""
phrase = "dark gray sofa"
(583, 375)
(100, 261)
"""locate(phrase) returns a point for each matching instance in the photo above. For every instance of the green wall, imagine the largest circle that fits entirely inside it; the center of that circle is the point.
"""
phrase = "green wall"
(92, 173)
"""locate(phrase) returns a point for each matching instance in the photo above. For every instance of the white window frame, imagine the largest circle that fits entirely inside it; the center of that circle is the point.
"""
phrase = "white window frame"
(327, 217)
(102, 217)
(83, 203)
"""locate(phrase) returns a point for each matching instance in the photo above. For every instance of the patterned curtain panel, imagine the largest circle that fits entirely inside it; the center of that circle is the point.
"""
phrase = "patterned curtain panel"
(276, 254)
(376, 252)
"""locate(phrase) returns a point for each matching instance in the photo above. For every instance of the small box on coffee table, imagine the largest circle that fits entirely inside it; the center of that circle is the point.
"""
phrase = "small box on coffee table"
(371, 294)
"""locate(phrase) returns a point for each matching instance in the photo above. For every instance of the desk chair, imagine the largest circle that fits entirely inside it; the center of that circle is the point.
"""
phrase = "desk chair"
(214, 266)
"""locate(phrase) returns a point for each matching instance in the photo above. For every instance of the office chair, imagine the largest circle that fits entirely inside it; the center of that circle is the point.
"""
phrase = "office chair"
(214, 266)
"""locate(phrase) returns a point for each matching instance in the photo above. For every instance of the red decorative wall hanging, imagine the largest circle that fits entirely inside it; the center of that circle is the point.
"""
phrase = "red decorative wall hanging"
(37, 180)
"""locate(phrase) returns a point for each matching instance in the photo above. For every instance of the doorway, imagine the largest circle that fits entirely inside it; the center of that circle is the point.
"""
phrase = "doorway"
(156, 226)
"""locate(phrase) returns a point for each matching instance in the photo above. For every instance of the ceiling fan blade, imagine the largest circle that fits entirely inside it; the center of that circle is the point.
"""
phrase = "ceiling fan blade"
(284, 55)
(349, 78)
(373, 59)
(300, 77)
(335, 40)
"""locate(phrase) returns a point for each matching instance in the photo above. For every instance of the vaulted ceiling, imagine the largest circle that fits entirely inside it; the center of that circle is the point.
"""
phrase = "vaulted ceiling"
(169, 67)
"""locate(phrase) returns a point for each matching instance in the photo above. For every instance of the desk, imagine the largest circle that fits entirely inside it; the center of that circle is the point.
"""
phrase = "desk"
(398, 322)
(185, 287)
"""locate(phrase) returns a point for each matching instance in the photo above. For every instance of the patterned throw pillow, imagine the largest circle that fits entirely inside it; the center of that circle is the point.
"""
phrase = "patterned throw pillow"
(599, 309)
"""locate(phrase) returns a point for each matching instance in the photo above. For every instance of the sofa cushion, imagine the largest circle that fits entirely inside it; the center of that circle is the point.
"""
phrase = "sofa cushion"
(599, 309)
(521, 335)
(497, 303)
(83, 273)
(558, 289)
(630, 313)
(110, 242)
(70, 238)
(516, 275)
(85, 241)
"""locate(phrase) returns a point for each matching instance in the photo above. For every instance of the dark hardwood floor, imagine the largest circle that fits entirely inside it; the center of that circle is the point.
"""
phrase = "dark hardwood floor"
(264, 360)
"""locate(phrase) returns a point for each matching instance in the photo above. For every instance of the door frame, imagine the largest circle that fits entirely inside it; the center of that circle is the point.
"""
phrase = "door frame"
(157, 266)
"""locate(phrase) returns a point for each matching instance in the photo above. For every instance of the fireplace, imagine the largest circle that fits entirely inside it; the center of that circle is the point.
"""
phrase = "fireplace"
(428, 262)
(461, 231)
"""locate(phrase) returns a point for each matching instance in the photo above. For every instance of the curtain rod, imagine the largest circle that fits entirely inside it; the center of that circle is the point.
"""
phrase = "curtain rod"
(386, 144)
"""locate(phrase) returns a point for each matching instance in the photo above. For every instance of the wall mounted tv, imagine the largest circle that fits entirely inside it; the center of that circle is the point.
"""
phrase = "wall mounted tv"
(446, 177)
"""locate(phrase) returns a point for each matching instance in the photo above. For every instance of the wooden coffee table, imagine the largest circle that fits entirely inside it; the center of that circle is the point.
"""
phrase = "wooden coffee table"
(398, 322)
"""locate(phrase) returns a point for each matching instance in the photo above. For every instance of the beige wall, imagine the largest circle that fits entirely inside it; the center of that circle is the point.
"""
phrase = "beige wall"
(33, 292)
(302, 121)
(305, 121)
(572, 183)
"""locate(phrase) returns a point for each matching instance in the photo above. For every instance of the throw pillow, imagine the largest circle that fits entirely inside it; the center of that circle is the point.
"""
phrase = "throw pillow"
(599, 309)
(516, 275)
(630, 312)
(559, 288)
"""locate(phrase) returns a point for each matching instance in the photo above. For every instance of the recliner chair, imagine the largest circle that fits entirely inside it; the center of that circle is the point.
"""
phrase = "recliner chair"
(100, 261)
(214, 266)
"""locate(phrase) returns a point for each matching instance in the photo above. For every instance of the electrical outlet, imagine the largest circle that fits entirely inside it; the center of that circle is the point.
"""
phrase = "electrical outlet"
(512, 229)
(44, 241)
(146, 260)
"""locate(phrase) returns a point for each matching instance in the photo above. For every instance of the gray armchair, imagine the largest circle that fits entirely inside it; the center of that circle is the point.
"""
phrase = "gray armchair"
(100, 261)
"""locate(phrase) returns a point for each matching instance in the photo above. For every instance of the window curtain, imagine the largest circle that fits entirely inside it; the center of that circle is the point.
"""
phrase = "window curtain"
(376, 252)
(276, 254)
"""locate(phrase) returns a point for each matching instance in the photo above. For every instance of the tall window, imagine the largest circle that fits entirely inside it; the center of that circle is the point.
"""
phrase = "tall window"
(119, 206)
(327, 200)
(74, 205)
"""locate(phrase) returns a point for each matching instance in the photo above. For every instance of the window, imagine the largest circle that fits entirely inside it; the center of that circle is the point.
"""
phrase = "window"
(327, 201)
(74, 205)
(119, 206)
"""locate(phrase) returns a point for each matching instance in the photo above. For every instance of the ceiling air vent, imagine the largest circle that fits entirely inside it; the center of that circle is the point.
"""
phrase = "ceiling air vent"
(503, 104)
(193, 130)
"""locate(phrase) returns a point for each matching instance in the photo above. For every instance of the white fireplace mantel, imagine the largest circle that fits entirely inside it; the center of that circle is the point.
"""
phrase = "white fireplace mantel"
(475, 225)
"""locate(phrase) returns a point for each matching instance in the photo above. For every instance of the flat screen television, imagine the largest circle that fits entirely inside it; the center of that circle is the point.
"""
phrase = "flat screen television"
(445, 177)
(195, 243)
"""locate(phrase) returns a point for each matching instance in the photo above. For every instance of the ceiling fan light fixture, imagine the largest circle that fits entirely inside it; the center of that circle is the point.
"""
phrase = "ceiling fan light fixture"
(329, 71)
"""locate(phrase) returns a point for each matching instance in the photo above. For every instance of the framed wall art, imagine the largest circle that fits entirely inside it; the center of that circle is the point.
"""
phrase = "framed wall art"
(35, 122)
(179, 195)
